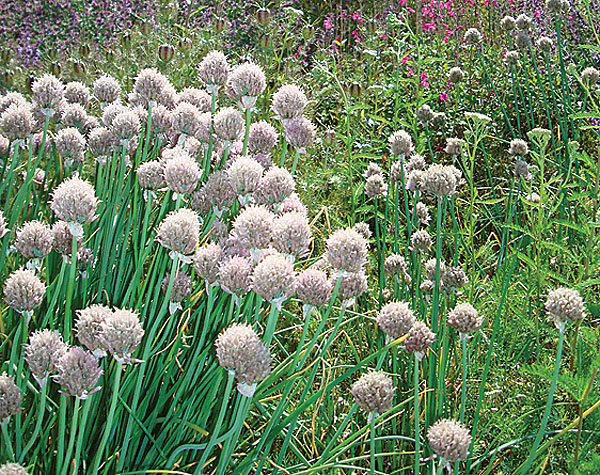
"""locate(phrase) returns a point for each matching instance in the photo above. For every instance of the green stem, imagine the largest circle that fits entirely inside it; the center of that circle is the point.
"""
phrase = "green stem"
(38, 423)
(548, 410)
(417, 416)
(7, 441)
(82, 425)
(70, 285)
(463, 398)
(247, 134)
(111, 414)
(73, 431)
(373, 448)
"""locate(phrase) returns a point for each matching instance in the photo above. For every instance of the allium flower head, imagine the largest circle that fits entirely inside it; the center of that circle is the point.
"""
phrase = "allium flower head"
(418, 339)
(48, 93)
(565, 305)
(74, 201)
(219, 191)
(300, 133)
(450, 440)
(421, 241)
(197, 97)
(274, 186)
(292, 234)
(235, 275)
(454, 146)
(207, 260)
(395, 319)
(523, 22)
(110, 112)
(376, 186)
(245, 174)
(288, 102)
(121, 333)
(16, 122)
(346, 250)
(239, 349)
(34, 240)
(523, 40)
(151, 88)
(557, 6)
(440, 180)
(247, 81)
(401, 144)
(213, 70)
(77, 93)
(456, 75)
(473, 37)
(78, 373)
(292, 203)
(62, 238)
(253, 227)
(518, 147)
(10, 397)
(464, 318)
(179, 231)
(454, 278)
(352, 285)
(71, 145)
(374, 392)
(396, 265)
(274, 278)
(363, 229)
(11, 98)
(88, 327)
(186, 119)
(425, 114)
(126, 125)
(181, 172)
(511, 58)
(522, 169)
(74, 115)
(44, 351)
(507, 23)
(182, 286)
(151, 175)
(23, 291)
(262, 137)
(313, 287)
(229, 124)
(106, 89)
(12, 469)
(544, 43)
(590, 76)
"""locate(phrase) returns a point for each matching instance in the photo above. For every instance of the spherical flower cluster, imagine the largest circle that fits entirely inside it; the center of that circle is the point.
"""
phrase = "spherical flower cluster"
(292, 234)
(16, 122)
(454, 146)
(425, 114)
(396, 265)
(401, 144)
(313, 287)
(151, 88)
(10, 397)
(565, 305)
(523, 22)
(372, 169)
(77, 93)
(151, 175)
(507, 23)
(523, 40)
(206, 262)
(179, 231)
(352, 285)
(229, 124)
(23, 291)
(262, 137)
(440, 180)
(12, 469)
(418, 339)
(62, 238)
(121, 333)
(590, 76)
(300, 133)
(126, 125)
(182, 287)
(464, 318)
(44, 351)
(71, 145)
(74, 201)
(253, 227)
(239, 349)
(454, 278)
(456, 75)
(88, 327)
(48, 93)
(292, 203)
(518, 147)
(245, 174)
(186, 119)
(450, 440)
(522, 169)
(511, 58)
(235, 275)
(421, 241)
(10, 99)
(395, 319)
(106, 89)
(181, 172)
(544, 43)
(363, 229)
(288, 103)
(4, 145)
(74, 115)
(557, 6)
(374, 392)
(110, 112)
(213, 70)
(274, 278)
(274, 186)
(78, 373)
(473, 37)
(346, 250)
(376, 186)
(247, 82)
(34, 240)
(162, 122)
(197, 97)
(218, 191)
